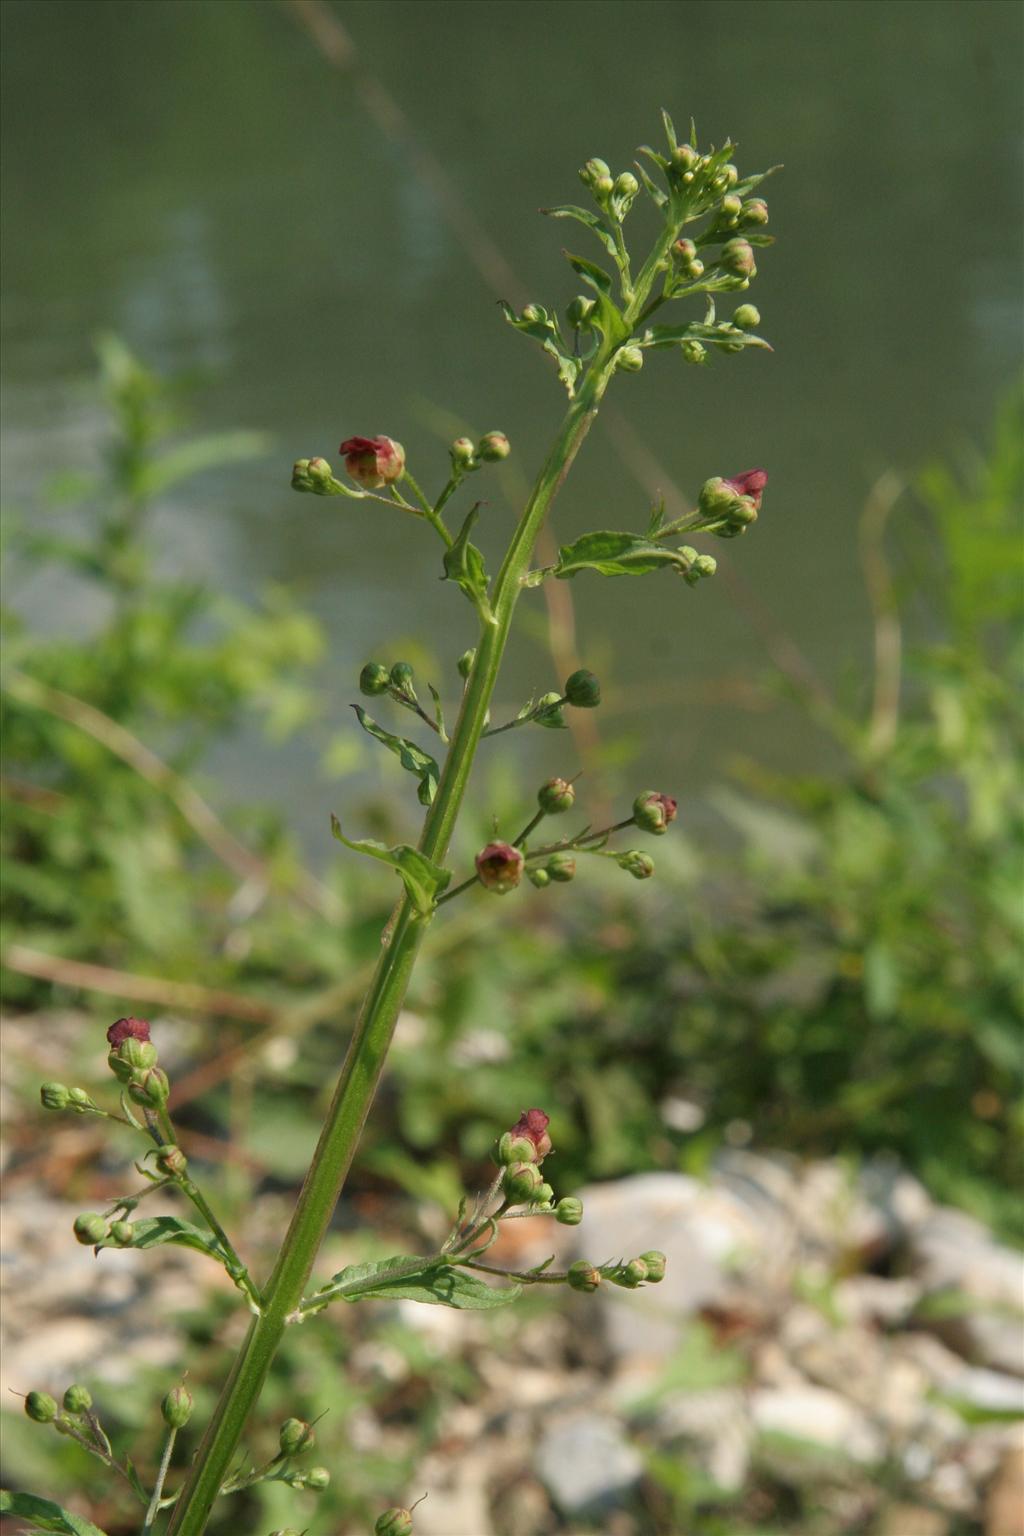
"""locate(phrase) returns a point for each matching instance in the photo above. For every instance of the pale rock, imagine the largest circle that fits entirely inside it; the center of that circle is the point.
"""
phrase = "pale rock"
(717, 1428)
(912, 1520)
(819, 1417)
(953, 1251)
(868, 1299)
(586, 1465)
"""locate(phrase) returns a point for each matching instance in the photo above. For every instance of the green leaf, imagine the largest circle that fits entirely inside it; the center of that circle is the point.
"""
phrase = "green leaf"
(46, 1516)
(615, 554)
(153, 1231)
(545, 330)
(201, 453)
(670, 130)
(591, 220)
(423, 879)
(591, 273)
(712, 335)
(438, 712)
(464, 564)
(436, 1283)
(654, 192)
(607, 317)
(412, 758)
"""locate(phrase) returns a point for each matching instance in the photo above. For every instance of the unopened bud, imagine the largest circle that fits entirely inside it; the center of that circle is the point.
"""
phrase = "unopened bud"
(726, 177)
(754, 211)
(372, 462)
(561, 867)
(318, 1478)
(530, 313)
(701, 566)
(555, 796)
(513, 1148)
(89, 1228)
(730, 208)
(630, 359)
(594, 170)
(583, 1276)
(569, 1211)
(685, 157)
(319, 473)
(78, 1099)
(374, 679)
(77, 1399)
(543, 1195)
(738, 257)
(580, 311)
(465, 662)
(603, 187)
(177, 1407)
(171, 1160)
(54, 1096)
(393, 1522)
(122, 1233)
(630, 1275)
(694, 351)
(151, 1089)
(401, 676)
(533, 1124)
(636, 863)
(747, 317)
(300, 476)
(135, 1056)
(41, 1407)
(520, 1183)
(296, 1436)
(582, 690)
(538, 877)
(549, 712)
(493, 446)
(626, 185)
(656, 1263)
(499, 867)
(653, 811)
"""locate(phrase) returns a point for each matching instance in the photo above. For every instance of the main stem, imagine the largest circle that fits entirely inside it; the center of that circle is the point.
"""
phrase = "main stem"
(368, 1049)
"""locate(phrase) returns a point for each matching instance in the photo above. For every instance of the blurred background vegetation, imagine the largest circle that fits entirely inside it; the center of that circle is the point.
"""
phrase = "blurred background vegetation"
(224, 248)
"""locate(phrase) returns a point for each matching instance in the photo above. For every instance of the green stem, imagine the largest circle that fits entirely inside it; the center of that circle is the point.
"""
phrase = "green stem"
(368, 1049)
(431, 513)
(158, 1487)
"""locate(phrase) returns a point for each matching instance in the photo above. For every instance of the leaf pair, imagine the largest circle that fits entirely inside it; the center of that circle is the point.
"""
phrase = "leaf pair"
(412, 758)
(423, 879)
(432, 1280)
(616, 554)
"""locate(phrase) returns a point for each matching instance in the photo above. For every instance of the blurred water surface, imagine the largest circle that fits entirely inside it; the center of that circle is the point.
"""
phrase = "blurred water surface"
(194, 175)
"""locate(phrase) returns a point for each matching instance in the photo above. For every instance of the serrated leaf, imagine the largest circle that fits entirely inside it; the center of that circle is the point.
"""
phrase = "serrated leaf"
(615, 554)
(672, 335)
(423, 879)
(545, 330)
(464, 564)
(591, 273)
(46, 1516)
(154, 1231)
(412, 758)
(437, 1283)
(591, 220)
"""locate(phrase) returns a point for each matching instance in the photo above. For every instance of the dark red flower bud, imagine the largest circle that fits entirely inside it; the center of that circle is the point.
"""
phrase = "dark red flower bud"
(127, 1029)
(751, 484)
(533, 1125)
(500, 867)
(653, 811)
(373, 461)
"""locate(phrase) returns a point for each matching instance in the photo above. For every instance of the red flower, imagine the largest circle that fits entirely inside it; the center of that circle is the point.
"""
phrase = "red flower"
(127, 1029)
(533, 1126)
(751, 484)
(373, 461)
(499, 867)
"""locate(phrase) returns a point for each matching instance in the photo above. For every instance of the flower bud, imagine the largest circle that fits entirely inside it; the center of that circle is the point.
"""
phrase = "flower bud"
(636, 863)
(694, 351)
(463, 452)
(530, 314)
(319, 474)
(372, 462)
(538, 877)
(520, 1183)
(514, 1148)
(561, 867)
(685, 157)
(656, 1263)
(151, 1090)
(754, 211)
(533, 1124)
(549, 712)
(594, 170)
(499, 867)
(89, 1228)
(127, 1029)
(132, 1056)
(603, 187)
(318, 1478)
(738, 257)
(393, 1522)
(77, 1399)
(688, 263)
(493, 446)
(652, 811)
(630, 1275)
(747, 317)
(177, 1407)
(569, 1211)
(465, 662)
(730, 208)
(54, 1096)
(401, 677)
(296, 1436)
(582, 690)
(171, 1160)
(41, 1407)
(583, 1276)
(79, 1100)
(626, 185)
(727, 176)
(630, 359)
(300, 476)
(374, 678)
(555, 796)
(580, 311)
(122, 1233)
(544, 1195)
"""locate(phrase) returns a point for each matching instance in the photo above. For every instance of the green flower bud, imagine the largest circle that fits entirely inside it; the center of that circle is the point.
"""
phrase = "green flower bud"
(41, 1407)
(626, 185)
(725, 178)
(89, 1228)
(582, 690)
(77, 1399)
(130, 1058)
(569, 1211)
(465, 662)
(530, 313)
(122, 1233)
(561, 867)
(318, 1478)
(754, 212)
(685, 157)
(177, 1407)
(583, 1276)
(152, 1089)
(555, 796)
(580, 312)
(630, 1275)
(374, 678)
(296, 1436)
(393, 1522)
(594, 170)
(543, 1195)
(549, 712)
(652, 811)
(521, 1182)
(463, 450)
(747, 317)
(700, 567)
(538, 877)
(493, 446)
(54, 1096)
(731, 206)
(401, 677)
(738, 257)
(656, 1263)
(171, 1160)
(300, 476)
(78, 1099)
(630, 359)
(603, 187)
(694, 351)
(636, 863)
(514, 1149)
(319, 473)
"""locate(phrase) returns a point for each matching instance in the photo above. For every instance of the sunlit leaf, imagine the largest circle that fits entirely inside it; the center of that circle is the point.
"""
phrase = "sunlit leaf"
(423, 879)
(412, 758)
(616, 554)
(46, 1516)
